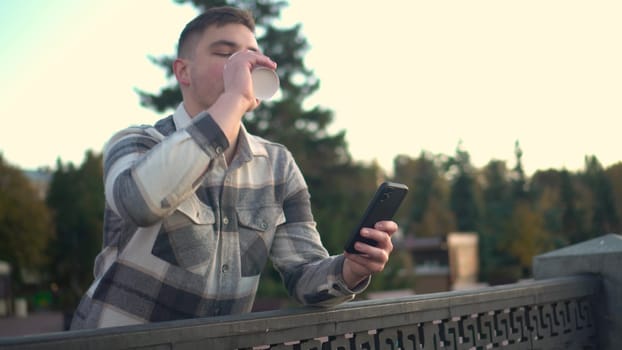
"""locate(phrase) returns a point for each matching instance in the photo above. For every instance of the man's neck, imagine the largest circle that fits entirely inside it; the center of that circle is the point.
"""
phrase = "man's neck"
(231, 151)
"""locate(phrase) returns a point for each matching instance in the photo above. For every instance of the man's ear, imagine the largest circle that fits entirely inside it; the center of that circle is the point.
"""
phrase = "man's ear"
(181, 70)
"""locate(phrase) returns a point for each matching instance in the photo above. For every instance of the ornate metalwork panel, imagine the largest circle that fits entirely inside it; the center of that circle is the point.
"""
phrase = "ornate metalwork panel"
(566, 325)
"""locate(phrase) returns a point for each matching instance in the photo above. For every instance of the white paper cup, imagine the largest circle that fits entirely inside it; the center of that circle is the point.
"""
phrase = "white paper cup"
(265, 82)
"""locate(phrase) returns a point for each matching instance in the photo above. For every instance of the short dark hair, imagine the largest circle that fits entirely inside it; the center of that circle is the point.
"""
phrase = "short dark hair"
(218, 16)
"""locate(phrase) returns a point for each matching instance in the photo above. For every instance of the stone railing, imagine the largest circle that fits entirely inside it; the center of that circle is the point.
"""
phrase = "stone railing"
(578, 311)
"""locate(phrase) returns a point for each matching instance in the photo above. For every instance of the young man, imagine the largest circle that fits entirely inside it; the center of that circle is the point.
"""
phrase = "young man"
(195, 205)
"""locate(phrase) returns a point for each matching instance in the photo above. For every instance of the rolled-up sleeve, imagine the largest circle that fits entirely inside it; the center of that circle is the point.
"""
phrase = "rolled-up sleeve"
(147, 174)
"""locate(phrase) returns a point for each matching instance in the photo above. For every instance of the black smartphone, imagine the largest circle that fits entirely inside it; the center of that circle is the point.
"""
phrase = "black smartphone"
(383, 206)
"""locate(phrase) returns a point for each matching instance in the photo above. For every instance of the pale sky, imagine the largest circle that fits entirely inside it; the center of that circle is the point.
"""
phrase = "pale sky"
(400, 77)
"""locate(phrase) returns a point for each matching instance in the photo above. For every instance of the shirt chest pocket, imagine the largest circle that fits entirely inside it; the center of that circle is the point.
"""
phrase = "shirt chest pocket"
(186, 238)
(257, 227)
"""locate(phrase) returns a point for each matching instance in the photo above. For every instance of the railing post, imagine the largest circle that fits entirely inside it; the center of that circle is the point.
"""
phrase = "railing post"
(602, 256)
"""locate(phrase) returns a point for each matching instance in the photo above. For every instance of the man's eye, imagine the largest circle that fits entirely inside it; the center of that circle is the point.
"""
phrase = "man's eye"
(223, 54)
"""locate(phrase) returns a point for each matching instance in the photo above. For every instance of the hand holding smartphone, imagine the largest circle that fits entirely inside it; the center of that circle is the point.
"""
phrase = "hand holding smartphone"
(383, 206)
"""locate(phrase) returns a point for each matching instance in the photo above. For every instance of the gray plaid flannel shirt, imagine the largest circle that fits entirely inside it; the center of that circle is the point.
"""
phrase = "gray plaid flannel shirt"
(187, 236)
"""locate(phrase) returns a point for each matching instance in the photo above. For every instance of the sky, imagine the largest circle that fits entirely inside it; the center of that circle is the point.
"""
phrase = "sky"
(401, 78)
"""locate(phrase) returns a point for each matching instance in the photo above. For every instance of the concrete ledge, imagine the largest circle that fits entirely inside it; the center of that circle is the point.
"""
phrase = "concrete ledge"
(601, 256)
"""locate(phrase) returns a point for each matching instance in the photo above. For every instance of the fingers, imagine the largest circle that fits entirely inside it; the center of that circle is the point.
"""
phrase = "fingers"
(372, 259)
(389, 227)
(250, 59)
(237, 74)
(379, 253)
(366, 264)
(381, 234)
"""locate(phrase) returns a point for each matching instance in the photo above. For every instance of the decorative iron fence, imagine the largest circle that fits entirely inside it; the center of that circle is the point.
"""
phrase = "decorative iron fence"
(548, 314)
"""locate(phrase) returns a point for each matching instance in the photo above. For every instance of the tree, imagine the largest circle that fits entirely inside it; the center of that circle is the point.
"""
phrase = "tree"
(25, 223)
(463, 196)
(526, 236)
(496, 194)
(614, 174)
(497, 211)
(604, 212)
(426, 210)
(76, 198)
(572, 224)
(556, 197)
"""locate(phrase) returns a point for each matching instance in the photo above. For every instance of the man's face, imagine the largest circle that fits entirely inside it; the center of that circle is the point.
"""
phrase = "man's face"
(207, 63)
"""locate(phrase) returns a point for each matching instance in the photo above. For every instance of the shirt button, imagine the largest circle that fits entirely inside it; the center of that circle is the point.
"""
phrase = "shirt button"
(218, 150)
(225, 268)
(263, 225)
(225, 220)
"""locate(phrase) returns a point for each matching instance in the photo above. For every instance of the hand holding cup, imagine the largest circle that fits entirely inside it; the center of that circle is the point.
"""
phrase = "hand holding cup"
(264, 79)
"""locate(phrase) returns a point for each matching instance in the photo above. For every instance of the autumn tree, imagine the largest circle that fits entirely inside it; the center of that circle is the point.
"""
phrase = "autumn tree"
(526, 236)
(25, 223)
(426, 210)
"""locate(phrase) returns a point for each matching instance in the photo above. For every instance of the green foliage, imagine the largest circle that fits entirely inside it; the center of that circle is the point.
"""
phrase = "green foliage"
(614, 175)
(604, 212)
(463, 197)
(525, 236)
(25, 222)
(426, 210)
(76, 197)
(497, 210)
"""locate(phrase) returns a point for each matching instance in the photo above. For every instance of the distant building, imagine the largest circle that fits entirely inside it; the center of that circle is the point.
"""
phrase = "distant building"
(463, 260)
(444, 263)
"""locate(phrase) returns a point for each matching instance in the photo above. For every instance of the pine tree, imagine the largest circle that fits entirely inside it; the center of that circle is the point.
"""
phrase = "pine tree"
(571, 220)
(76, 197)
(463, 197)
(614, 174)
(497, 211)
